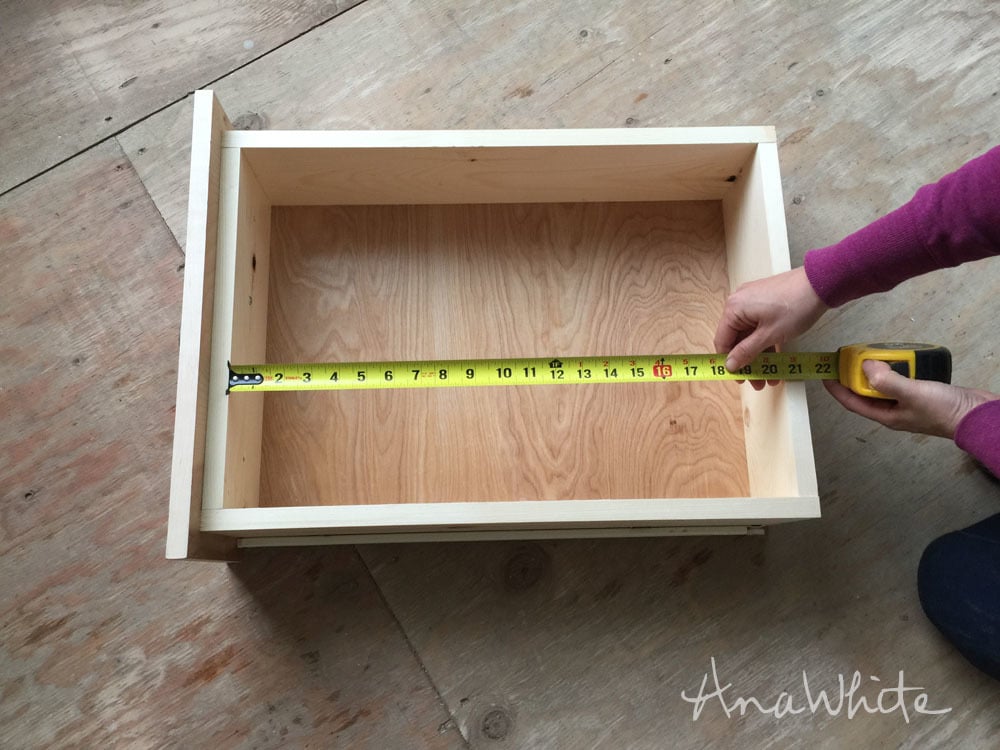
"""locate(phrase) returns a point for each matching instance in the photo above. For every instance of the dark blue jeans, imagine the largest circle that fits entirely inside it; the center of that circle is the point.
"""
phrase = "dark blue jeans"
(959, 585)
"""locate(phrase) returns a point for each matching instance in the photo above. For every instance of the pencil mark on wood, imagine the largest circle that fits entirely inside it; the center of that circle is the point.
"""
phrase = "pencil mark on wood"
(521, 92)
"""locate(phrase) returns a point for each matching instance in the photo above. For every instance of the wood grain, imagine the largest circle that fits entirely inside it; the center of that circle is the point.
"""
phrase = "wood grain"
(184, 537)
(77, 72)
(233, 431)
(450, 282)
(581, 64)
(513, 166)
(780, 456)
(95, 621)
(589, 643)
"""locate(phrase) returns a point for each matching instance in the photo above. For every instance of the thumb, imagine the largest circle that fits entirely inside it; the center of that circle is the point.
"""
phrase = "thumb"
(743, 353)
(882, 378)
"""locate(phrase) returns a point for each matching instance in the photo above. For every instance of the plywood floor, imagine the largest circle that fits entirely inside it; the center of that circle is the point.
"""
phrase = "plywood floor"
(560, 644)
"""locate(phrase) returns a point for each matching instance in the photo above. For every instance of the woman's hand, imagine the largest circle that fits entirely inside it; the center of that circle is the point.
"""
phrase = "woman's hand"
(923, 406)
(766, 313)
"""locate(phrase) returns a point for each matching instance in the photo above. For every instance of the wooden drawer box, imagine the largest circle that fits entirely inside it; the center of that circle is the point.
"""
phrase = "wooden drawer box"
(357, 246)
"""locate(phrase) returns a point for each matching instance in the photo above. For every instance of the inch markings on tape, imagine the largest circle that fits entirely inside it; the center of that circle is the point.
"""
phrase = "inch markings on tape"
(463, 373)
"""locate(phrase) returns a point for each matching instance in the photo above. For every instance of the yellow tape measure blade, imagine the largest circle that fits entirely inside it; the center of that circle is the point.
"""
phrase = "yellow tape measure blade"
(526, 371)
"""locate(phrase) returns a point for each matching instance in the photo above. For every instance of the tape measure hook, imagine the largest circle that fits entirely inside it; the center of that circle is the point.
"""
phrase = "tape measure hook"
(242, 378)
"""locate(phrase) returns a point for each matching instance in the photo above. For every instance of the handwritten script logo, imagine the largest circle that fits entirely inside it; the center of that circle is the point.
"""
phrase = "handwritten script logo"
(888, 700)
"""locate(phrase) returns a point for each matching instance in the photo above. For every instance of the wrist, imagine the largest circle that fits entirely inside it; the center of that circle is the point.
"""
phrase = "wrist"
(810, 291)
(972, 399)
(806, 298)
(978, 430)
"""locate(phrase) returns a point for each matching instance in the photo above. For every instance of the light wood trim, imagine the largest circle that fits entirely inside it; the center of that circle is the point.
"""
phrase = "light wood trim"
(776, 420)
(794, 426)
(184, 537)
(329, 139)
(424, 167)
(518, 166)
(524, 514)
(233, 446)
(631, 532)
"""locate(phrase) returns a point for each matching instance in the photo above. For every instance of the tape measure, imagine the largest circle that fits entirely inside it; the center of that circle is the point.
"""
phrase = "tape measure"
(921, 361)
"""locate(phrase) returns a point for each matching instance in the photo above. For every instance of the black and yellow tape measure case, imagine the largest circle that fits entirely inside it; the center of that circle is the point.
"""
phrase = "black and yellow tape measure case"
(914, 361)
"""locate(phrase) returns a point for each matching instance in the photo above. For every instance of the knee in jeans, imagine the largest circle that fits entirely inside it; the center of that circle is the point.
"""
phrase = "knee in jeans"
(936, 573)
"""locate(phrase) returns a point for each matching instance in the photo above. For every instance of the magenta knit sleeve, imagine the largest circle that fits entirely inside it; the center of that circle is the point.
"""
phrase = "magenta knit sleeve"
(979, 434)
(949, 222)
(954, 220)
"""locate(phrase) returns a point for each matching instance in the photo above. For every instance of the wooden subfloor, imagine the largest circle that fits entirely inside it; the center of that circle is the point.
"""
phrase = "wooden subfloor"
(561, 644)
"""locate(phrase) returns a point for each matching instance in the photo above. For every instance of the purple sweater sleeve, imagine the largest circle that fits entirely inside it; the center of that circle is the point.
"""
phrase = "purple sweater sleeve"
(979, 434)
(949, 222)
